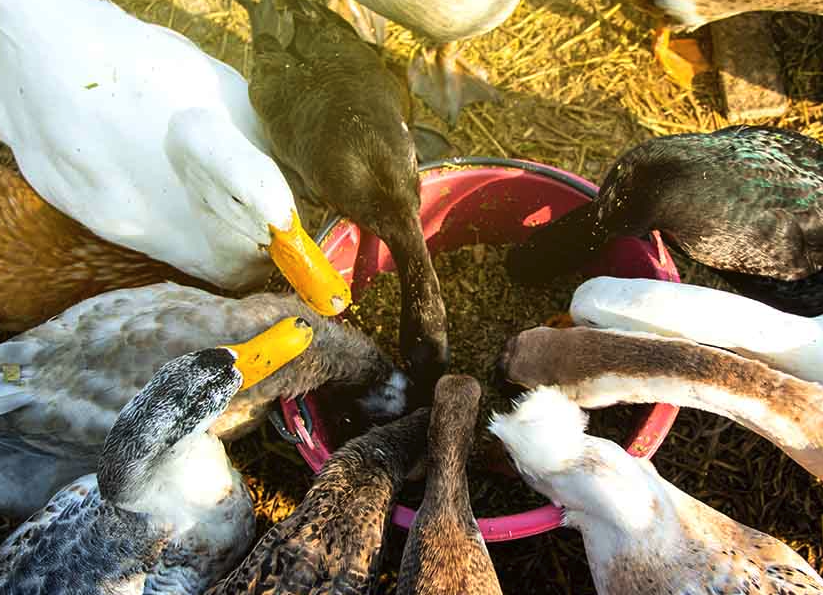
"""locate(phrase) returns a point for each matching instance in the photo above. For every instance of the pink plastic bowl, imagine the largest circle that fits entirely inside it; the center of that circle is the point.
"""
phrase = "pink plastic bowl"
(495, 201)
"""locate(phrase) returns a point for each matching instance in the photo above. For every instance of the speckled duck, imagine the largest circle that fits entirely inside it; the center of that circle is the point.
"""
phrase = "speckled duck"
(333, 542)
(445, 553)
(166, 511)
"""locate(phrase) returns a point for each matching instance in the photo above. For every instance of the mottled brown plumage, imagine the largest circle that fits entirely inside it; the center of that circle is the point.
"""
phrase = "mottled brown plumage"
(445, 553)
(600, 368)
(49, 262)
(337, 119)
(332, 542)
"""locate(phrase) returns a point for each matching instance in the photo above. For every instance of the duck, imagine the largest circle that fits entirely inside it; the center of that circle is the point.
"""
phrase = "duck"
(43, 248)
(599, 368)
(334, 540)
(166, 511)
(642, 535)
(682, 59)
(338, 119)
(442, 77)
(64, 382)
(444, 551)
(152, 144)
(746, 201)
(785, 342)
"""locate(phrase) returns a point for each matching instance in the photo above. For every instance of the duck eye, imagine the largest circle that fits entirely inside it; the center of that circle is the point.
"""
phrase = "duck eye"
(237, 200)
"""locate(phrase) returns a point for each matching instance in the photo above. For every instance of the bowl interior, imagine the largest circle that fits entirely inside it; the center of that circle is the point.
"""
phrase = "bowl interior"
(492, 205)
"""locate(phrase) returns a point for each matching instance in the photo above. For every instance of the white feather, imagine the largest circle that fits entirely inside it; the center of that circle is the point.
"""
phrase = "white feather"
(786, 342)
(544, 431)
(99, 154)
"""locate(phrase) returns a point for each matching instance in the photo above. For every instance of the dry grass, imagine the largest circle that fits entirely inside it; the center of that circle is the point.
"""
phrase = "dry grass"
(580, 86)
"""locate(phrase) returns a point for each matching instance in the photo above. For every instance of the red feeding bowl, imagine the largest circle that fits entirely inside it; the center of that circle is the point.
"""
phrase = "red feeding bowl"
(490, 201)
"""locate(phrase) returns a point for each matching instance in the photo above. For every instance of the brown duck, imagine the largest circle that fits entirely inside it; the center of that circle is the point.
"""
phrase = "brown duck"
(337, 119)
(49, 262)
(445, 553)
(599, 368)
(332, 543)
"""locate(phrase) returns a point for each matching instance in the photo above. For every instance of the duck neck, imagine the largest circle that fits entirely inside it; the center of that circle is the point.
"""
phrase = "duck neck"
(616, 501)
(370, 469)
(423, 323)
(447, 486)
(777, 406)
(189, 479)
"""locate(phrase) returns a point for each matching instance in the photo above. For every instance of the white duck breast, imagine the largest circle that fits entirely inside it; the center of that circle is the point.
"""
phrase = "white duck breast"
(786, 342)
(133, 131)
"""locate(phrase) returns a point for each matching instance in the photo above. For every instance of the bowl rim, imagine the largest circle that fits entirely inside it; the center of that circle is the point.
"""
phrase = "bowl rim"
(543, 518)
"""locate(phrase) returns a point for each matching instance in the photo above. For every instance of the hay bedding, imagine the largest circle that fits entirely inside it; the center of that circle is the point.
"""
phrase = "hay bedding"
(580, 86)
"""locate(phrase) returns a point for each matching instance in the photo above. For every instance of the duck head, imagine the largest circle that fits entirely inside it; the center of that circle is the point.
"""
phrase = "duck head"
(544, 434)
(598, 483)
(377, 185)
(627, 204)
(246, 191)
(451, 431)
(183, 399)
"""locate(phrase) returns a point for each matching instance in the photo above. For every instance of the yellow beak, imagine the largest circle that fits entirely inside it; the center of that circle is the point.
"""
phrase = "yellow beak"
(271, 350)
(308, 270)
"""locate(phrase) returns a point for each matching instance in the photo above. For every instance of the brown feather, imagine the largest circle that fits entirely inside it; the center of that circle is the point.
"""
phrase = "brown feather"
(445, 553)
(49, 262)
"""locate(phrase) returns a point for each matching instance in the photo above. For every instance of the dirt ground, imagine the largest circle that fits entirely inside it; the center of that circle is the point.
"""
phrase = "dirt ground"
(579, 86)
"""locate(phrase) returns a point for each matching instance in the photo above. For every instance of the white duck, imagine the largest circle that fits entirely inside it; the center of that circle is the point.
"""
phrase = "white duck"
(643, 535)
(786, 342)
(133, 131)
(64, 382)
(166, 511)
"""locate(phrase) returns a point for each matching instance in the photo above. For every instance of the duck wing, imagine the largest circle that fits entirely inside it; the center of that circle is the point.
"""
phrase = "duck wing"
(293, 560)
(79, 369)
(760, 212)
(59, 550)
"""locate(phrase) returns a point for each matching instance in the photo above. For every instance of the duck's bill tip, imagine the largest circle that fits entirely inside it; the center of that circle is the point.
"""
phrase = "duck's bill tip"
(269, 351)
(308, 270)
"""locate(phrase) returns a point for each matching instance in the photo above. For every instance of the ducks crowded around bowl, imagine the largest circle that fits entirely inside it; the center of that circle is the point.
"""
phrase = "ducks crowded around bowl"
(150, 143)
(599, 368)
(166, 510)
(67, 379)
(643, 535)
(333, 541)
(792, 344)
(746, 201)
(338, 118)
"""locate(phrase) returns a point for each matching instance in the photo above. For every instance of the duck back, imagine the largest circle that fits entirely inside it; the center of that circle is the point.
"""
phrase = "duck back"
(333, 542)
(445, 552)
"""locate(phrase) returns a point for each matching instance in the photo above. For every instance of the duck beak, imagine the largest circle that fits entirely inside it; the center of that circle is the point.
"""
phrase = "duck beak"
(308, 270)
(271, 350)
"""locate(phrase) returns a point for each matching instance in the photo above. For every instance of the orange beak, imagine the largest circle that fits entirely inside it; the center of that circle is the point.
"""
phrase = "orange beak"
(269, 351)
(308, 270)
